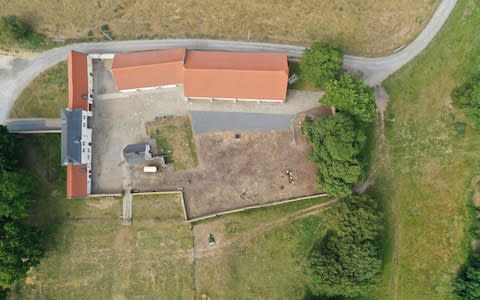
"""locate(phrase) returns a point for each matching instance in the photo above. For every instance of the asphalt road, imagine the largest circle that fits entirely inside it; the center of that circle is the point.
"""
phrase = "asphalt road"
(34, 125)
(20, 73)
(206, 121)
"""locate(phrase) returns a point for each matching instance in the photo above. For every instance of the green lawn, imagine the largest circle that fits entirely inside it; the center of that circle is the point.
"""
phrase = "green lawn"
(428, 180)
(174, 138)
(45, 96)
(300, 84)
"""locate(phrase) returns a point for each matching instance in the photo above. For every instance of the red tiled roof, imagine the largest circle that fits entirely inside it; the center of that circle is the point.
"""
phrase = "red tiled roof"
(239, 75)
(77, 80)
(148, 68)
(76, 181)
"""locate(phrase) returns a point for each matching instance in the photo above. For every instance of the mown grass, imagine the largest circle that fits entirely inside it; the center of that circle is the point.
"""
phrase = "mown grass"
(431, 167)
(90, 254)
(45, 96)
(174, 138)
(367, 27)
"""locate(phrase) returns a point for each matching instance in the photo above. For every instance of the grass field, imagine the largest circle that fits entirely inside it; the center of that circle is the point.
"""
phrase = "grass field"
(45, 96)
(174, 138)
(428, 182)
(367, 27)
(90, 255)
(261, 254)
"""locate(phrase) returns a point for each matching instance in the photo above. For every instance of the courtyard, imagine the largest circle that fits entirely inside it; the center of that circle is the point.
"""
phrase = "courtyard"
(248, 153)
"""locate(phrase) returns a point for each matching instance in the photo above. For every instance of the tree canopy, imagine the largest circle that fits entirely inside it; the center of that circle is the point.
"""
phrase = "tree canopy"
(347, 260)
(467, 284)
(337, 146)
(19, 250)
(8, 150)
(467, 97)
(321, 63)
(352, 96)
(20, 244)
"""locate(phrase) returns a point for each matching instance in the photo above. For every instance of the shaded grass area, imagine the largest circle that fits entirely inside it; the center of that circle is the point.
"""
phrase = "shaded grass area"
(90, 254)
(300, 84)
(267, 256)
(368, 27)
(45, 96)
(430, 165)
(174, 139)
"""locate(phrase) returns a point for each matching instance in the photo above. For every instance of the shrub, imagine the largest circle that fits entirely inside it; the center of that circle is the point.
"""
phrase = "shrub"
(14, 28)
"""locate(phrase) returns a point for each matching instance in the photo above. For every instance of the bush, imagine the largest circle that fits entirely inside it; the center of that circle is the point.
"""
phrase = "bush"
(467, 98)
(14, 28)
(321, 63)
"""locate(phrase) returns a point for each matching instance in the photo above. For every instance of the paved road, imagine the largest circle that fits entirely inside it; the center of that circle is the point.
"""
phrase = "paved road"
(375, 70)
(205, 121)
(34, 125)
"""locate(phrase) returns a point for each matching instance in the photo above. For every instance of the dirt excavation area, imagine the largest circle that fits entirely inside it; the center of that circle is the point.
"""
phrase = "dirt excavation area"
(237, 169)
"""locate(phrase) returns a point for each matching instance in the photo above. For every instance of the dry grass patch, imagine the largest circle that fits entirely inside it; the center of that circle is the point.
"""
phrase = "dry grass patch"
(45, 96)
(95, 257)
(368, 27)
(174, 139)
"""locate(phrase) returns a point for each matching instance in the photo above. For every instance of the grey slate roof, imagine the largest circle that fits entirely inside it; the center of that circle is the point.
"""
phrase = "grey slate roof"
(71, 136)
(135, 153)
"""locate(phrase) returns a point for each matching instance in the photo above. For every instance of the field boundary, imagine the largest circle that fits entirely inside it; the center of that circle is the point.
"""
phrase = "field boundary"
(212, 215)
(245, 208)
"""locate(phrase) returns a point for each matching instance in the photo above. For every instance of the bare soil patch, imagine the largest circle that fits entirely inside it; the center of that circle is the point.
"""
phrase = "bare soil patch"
(238, 169)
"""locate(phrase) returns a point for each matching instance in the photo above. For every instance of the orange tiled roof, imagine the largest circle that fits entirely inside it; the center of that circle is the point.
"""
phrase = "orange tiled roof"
(77, 80)
(239, 75)
(148, 68)
(76, 181)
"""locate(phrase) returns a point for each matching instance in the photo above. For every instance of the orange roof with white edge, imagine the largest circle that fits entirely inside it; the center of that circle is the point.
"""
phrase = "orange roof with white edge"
(148, 68)
(77, 181)
(236, 75)
(77, 81)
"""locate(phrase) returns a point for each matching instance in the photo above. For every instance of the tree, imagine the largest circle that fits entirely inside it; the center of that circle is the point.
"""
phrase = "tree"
(15, 194)
(351, 96)
(321, 63)
(467, 97)
(14, 28)
(467, 284)
(8, 150)
(337, 146)
(20, 249)
(347, 260)
(20, 245)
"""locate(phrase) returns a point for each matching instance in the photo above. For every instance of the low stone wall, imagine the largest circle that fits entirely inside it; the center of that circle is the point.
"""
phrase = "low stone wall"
(182, 200)
(254, 207)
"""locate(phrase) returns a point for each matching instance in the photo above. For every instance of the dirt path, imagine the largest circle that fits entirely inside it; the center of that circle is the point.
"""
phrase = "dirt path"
(201, 250)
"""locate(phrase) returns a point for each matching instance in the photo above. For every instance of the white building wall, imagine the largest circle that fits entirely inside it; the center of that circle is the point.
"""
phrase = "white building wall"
(86, 138)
